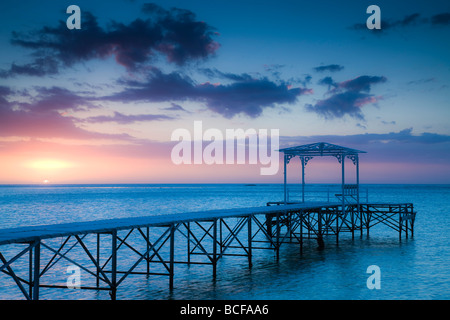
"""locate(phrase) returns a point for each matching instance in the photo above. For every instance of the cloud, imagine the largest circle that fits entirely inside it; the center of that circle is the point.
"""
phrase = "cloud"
(175, 107)
(173, 33)
(328, 81)
(44, 116)
(57, 99)
(126, 119)
(421, 81)
(39, 67)
(248, 96)
(404, 136)
(347, 97)
(361, 83)
(214, 73)
(341, 104)
(330, 68)
(403, 146)
(442, 19)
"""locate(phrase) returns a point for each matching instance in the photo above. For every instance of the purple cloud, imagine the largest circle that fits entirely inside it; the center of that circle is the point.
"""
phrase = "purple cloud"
(175, 107)
(45, 116)
(57, 99)
(248, 96)
(347, 97)
(126, 119)
(173, 33)
(362, 83)
(403, 146)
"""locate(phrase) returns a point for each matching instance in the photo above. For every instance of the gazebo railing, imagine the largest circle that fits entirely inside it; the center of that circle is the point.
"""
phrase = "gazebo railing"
(327, 193)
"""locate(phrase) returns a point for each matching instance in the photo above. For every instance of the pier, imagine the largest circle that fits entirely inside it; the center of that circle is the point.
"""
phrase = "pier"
(109, 251)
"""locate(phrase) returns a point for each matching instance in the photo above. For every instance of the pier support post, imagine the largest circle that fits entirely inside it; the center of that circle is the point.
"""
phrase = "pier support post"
(172, 255)
(301, 232)
(113, 264)
(361, 220)
(337, 225)
(30, 273)
(97, 273)
(320, 242)
(147, 258)
(249, 225)
(285, 179)
(37, 267)
(278, 237)
(188, 226)
(214, 259)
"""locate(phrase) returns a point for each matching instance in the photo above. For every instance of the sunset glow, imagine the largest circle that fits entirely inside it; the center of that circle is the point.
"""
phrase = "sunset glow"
(49, 164)
(99, 104)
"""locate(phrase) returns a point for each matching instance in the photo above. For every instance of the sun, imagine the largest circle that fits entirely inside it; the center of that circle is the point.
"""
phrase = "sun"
(46, 181)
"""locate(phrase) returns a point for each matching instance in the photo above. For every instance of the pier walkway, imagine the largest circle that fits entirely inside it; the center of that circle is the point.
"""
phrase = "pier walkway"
(108, 251)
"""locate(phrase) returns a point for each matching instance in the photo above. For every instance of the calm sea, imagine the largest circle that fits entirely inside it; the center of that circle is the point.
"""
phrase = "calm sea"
(416, 268)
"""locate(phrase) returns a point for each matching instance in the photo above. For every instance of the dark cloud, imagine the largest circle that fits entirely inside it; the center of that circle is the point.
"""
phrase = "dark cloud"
(214, 73)
(347, 97)
(247, 96)
(405, 136)
(414, 19)
(175, 107)
(341, 104)
(173, 33)
(387, 24)
(408, 20)
(441, 19)
(39, 67)
(330, 68)
(362, 83)
(328, 81)
(126, 119)
(184, 38)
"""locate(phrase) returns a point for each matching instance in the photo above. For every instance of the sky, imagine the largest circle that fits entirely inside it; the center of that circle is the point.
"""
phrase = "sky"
(100, 104)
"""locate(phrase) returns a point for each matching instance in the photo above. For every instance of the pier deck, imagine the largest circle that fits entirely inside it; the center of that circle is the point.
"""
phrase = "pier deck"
(208, 235)
(32, 233)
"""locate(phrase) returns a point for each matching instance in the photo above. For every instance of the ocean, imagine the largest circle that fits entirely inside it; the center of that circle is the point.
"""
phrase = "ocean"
(413, 268)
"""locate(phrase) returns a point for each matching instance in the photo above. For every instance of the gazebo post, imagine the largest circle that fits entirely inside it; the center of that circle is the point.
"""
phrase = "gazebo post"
(285, 179)
(358, 212)
(303, 178)
(343, 197)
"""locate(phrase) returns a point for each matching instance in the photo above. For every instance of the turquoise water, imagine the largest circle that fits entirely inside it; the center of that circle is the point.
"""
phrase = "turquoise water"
(414, 268)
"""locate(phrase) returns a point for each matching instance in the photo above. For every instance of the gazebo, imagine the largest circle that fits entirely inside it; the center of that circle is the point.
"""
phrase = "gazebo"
(322, 149)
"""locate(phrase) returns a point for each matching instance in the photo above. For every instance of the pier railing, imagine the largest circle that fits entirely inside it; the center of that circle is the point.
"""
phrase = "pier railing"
(326, 193)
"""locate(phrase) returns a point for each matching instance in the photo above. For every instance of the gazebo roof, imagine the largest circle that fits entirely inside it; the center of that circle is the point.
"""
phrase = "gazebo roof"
(320, 149)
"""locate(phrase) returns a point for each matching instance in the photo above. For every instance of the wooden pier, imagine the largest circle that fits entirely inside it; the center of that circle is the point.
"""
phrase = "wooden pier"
(207, 236)
(111, 250)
